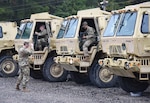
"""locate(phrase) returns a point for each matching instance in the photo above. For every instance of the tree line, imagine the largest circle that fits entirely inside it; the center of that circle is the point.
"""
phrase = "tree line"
(16, 10)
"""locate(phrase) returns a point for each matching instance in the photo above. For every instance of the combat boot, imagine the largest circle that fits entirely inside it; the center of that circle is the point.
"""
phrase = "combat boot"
(17, 87)
(24, 89)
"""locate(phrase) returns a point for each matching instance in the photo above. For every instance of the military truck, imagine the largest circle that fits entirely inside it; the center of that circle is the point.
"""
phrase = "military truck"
(126, 41)
(69, 48)
(8, 31)
(41, 62)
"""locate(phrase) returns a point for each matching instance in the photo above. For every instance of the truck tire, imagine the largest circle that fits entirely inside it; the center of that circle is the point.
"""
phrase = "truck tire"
(92, 73)
(53, 72)
(8, 67)
(36, 74)
(103, 77)
(79, 78)
(132, 85)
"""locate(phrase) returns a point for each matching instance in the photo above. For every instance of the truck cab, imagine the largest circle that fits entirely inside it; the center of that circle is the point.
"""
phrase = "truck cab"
(69, 44)
(8, 31)
(41, 61)
(126, 41)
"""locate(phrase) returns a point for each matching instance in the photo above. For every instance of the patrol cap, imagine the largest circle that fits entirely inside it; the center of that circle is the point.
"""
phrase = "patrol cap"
(84, 23)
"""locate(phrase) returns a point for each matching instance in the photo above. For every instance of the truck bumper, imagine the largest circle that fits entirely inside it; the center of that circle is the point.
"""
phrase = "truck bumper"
(121, 67)
(67, 60)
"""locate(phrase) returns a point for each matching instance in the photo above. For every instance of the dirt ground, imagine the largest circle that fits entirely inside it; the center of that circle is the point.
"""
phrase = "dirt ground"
(66, 92)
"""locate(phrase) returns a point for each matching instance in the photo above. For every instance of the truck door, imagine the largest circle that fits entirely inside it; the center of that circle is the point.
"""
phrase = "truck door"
(145, 30)
(102, 22)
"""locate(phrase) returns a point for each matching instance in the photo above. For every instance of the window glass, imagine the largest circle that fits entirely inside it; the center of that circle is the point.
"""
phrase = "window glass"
(70, 33)
(62, 29)
(1, 32)
(145, 24)
(20, 30)
(112, 25)
(126, 27)
(27, 31)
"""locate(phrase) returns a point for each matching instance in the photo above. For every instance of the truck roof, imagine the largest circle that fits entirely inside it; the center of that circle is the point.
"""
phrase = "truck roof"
(132, 7)
(44, 15)
(89, 13)
(137, 6)
(93, 11)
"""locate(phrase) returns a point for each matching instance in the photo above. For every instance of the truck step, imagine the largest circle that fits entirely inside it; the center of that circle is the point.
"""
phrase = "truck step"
(36, 67)
(84, 64)
(144, 76)
(83, 69)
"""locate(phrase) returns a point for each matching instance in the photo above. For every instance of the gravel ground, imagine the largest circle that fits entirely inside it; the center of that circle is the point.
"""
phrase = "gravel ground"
(66, 92)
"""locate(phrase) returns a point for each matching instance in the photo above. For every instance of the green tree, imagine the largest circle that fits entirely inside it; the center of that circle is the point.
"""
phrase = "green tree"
(70, 7)
(15, 10)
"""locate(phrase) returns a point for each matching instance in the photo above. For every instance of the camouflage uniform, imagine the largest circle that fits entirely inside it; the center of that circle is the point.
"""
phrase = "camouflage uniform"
(42, 38)
(90, 37)
(24, 74)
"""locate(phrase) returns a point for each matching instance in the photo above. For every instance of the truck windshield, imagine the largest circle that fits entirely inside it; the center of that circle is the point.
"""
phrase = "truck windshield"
(112, 25)
(127, 24)
(62, 29)
(70, 33)
(25, 29)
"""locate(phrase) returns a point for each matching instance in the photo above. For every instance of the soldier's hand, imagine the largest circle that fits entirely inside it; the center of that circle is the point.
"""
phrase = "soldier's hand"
(84, 37)
(36, 33)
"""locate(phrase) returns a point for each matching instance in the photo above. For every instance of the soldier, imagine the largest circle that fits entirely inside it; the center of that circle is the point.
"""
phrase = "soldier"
(43, 37)
(23, 62)
(89, 38)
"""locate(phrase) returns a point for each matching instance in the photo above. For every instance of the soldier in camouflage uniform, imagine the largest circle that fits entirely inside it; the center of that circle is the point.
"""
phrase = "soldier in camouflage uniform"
(89, 38)
(42, 36)
(24, 74)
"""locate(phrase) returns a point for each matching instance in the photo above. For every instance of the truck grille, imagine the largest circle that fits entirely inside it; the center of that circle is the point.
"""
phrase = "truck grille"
(115, 49)
(63, 49)
(37, 56)
(145, 61)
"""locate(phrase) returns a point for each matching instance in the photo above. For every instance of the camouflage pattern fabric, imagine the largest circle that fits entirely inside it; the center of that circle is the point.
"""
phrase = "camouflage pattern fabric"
(42, 38)
(24, 76)
(90, 37)
(23, 62)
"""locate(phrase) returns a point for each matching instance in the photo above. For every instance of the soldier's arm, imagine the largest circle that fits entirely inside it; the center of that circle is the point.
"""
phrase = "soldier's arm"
(27, 52)
(44, 32)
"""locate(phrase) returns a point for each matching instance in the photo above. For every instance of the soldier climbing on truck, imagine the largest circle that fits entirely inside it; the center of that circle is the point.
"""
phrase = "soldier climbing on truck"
(71, 49)
(41, 61)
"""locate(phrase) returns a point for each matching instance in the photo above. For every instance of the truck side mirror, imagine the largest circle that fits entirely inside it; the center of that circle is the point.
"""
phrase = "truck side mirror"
(19, 31)
(102, 21)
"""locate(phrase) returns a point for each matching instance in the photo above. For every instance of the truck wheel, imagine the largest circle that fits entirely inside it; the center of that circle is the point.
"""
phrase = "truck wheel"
(132, 85)
(8, 67)
(36, 74)
(53, 72)
(79, 78)
(92, 73)
(104, 78)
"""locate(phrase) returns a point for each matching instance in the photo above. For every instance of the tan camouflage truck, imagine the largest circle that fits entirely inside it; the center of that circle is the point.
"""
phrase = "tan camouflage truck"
(126, 40)
(8, 31)
(41, 61)
(69, 48)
